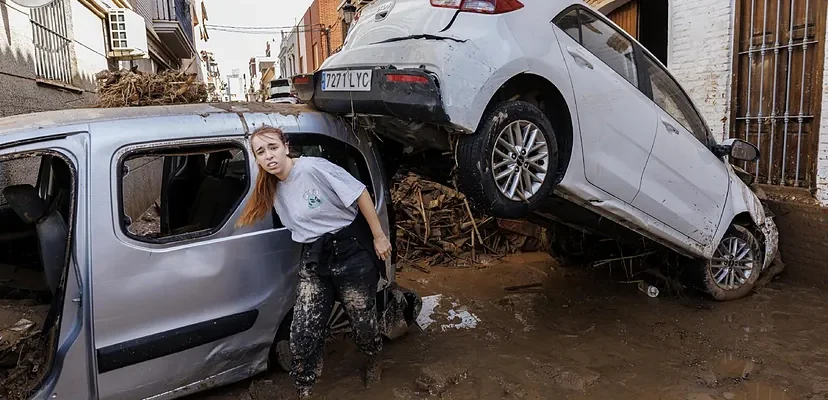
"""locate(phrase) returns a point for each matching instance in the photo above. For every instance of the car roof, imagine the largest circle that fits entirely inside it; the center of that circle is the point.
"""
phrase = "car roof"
(43, 120)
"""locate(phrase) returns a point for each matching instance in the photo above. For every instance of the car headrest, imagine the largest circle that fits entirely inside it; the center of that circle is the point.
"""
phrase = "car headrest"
(25, 202)
(217, 163)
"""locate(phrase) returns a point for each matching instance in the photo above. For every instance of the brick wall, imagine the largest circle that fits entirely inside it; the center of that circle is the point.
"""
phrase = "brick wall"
(803, 242)
(329, 17)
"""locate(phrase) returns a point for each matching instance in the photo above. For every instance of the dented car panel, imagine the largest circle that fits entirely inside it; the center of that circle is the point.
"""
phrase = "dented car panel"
(165, 316)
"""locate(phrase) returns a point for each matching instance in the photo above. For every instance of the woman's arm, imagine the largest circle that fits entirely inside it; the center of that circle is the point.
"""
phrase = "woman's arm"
(381, 244)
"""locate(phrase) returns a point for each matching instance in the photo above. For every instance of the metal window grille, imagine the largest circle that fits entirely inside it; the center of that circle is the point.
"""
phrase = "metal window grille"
(52, 45)
(775, 95)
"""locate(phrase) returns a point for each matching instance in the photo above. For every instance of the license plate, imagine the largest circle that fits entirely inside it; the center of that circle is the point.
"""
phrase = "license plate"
(347, 81)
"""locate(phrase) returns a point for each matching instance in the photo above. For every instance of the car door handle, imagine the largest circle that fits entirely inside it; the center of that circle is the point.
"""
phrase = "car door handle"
(670, 128)
(579, 58)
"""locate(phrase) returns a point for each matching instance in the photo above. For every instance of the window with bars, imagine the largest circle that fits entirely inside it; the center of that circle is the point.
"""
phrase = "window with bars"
(52, 46)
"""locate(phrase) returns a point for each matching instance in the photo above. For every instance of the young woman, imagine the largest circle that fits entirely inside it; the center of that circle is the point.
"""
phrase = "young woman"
(318, 202)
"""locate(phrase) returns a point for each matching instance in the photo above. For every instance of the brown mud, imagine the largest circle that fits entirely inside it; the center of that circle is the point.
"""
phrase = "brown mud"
(584, 335)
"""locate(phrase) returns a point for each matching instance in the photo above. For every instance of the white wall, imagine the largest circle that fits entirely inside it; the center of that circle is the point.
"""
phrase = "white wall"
(700, 56)
(822, 154)
(305, 66)
(21, 93)
(90, 43)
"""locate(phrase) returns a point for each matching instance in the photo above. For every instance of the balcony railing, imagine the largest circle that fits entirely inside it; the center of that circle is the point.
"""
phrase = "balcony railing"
(174, 11)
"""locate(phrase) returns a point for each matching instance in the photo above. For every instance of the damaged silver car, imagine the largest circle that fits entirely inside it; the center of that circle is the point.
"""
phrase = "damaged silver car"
(122, 275)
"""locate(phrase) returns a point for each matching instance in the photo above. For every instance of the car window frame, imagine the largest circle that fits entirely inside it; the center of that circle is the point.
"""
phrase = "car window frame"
(707, 133)
(179, 145)
(641, 76)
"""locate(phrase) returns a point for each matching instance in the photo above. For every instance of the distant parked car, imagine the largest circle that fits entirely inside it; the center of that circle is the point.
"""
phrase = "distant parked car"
(137, 206)
(551, 105)
(281, 92)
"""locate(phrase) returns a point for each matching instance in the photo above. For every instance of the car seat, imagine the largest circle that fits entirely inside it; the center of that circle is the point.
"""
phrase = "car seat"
(52, 232)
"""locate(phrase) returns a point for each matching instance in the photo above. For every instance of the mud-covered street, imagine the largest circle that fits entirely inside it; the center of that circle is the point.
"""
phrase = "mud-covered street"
(583, 335)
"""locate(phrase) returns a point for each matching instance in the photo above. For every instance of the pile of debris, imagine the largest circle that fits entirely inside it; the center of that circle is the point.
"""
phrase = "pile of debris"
(127, 88)
(435, 225)
(24, 351)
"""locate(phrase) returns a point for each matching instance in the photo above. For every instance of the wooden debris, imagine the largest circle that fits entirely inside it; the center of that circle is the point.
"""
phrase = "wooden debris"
(126, 88)
(435, 225)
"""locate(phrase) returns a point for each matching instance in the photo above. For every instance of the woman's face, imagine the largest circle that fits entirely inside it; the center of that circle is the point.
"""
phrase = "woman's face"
(271, 153)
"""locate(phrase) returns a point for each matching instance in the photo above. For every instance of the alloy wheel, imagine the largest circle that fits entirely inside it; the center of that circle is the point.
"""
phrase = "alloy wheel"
(520, 159)
(733, 263)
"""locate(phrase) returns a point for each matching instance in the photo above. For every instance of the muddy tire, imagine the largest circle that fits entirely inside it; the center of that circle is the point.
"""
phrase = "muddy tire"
(735, 267)
(280, 355)
(510, 164)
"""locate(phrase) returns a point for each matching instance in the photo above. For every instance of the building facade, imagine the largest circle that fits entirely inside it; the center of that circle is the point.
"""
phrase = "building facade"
(171, 36)
(49, 55)
(319, 34)
(292, 52)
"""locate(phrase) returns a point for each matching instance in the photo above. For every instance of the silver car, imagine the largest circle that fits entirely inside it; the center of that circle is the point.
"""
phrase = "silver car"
(118, 226)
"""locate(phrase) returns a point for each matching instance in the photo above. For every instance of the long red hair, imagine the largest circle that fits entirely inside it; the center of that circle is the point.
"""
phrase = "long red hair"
(261, 201)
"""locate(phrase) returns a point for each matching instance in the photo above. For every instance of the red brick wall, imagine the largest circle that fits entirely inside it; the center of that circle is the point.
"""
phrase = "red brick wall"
(320, 15)
(329, 17)
(803, 242)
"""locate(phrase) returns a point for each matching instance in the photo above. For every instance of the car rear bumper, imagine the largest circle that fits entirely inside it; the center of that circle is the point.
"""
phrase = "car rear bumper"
(416, 99)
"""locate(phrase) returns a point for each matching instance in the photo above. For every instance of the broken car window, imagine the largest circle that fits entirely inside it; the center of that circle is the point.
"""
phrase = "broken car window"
(182, 193)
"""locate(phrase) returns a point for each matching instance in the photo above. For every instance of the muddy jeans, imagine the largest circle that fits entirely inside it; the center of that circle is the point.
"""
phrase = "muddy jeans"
(350, 276)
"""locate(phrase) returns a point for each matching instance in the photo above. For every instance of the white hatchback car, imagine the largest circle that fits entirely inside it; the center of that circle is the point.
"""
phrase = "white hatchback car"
(544, 100)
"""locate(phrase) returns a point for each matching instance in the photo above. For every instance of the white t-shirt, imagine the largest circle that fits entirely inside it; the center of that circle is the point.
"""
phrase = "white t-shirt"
(318, 197)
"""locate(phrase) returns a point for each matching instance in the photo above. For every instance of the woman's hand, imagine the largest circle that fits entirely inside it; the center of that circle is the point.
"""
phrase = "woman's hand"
(382, 246)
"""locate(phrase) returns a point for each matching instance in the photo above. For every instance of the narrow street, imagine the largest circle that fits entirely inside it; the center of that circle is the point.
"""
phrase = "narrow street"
(583, 335)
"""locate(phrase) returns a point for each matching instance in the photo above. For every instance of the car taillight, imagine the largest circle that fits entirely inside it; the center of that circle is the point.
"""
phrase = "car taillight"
(401, 78)
(480, 6)
(301, 80)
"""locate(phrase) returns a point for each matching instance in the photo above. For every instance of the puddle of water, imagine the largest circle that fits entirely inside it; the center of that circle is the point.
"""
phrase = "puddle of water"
(731, 367)
(424, 320)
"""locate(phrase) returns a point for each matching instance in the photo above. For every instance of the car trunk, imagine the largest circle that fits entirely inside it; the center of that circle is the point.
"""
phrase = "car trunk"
(394, 19)
(36, 207)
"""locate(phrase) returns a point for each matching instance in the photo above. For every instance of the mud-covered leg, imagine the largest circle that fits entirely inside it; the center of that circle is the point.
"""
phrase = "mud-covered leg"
(309, 328)
(356, 279)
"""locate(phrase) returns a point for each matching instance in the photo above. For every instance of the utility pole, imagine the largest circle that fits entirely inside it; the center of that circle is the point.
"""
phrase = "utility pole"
(327, 31)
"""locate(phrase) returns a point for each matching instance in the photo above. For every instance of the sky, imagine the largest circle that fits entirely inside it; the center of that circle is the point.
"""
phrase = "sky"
(233, 50)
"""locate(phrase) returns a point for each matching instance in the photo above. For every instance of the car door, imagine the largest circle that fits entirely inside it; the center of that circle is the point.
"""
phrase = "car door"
(684, 185)
(197, 304)
(68, 360)
(618, 122)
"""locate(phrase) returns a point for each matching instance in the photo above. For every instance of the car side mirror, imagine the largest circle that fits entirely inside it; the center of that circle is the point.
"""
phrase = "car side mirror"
(738, 149)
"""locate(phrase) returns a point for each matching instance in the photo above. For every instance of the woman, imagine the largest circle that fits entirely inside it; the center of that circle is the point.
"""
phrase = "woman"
(318, 203)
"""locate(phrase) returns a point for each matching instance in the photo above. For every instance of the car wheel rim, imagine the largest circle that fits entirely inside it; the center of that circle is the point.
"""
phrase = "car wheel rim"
(733, 263)
(520, 160)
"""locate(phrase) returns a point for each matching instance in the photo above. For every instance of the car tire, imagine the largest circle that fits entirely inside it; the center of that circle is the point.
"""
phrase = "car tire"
(280, 354)
(495, 149)
(723, 277)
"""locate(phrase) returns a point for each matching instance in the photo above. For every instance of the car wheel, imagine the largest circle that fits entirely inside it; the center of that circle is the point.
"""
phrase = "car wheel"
(280, 353)
(735, 267)
(510, 164)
